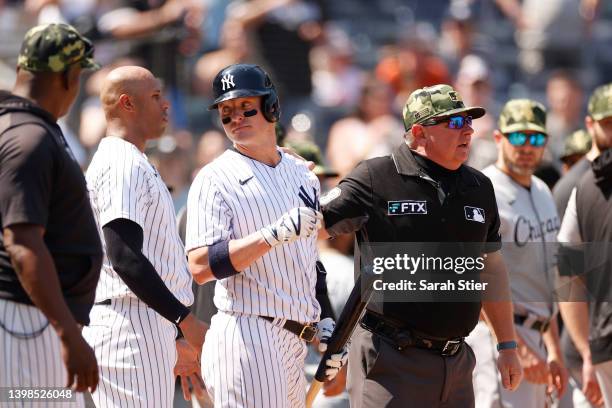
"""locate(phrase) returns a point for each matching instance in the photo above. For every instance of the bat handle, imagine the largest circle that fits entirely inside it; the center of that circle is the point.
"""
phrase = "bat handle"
(313, 391)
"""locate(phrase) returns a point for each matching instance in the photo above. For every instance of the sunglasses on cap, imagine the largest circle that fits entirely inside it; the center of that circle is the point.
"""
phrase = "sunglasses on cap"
(454, 122)
(520, 139)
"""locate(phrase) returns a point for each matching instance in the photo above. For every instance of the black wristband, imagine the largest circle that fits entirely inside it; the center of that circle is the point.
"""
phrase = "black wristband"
(507, 345)
(219, 260)
(179, 333)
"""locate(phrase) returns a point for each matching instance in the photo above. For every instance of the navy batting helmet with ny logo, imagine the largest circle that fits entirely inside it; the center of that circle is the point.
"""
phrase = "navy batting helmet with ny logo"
(243, 80)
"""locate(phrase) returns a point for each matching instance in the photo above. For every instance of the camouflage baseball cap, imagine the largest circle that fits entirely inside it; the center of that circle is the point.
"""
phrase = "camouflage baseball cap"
(436, 101)
(578, 142)
(600, 103)
(53, 48)
(311, 152)
(522, 115)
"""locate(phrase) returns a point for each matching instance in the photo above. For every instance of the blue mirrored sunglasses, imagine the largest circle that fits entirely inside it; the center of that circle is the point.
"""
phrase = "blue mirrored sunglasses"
(454, 122)
(520, 139)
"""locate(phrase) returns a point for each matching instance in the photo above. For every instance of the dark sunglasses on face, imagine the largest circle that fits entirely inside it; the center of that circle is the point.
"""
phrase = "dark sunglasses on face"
(520, 139)
(454, 122)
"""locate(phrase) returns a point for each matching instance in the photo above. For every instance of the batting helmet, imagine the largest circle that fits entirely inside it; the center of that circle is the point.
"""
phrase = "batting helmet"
(242, 80)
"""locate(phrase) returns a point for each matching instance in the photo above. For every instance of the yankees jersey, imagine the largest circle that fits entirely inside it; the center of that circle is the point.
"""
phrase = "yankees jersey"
(529, 227)
(235, 196)
(123, 184)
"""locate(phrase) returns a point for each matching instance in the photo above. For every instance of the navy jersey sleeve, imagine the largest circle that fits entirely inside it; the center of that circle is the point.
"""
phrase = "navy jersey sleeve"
(347, 207)
(26, 175)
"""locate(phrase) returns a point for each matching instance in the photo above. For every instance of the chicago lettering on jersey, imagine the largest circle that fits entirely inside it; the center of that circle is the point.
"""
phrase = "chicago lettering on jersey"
(526, 231)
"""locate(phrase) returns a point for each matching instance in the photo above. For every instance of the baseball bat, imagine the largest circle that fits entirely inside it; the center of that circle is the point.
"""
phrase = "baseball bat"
(349, 318)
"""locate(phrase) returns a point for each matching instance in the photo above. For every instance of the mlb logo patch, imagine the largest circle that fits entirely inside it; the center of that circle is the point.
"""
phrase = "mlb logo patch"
(406, 207)
(474, 214)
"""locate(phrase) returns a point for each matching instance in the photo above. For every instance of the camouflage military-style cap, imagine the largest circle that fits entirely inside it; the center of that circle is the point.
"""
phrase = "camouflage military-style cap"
(600, 103)
(436, 102)
(53, 48)
(578, 142)
(311, 152)
(522, 115)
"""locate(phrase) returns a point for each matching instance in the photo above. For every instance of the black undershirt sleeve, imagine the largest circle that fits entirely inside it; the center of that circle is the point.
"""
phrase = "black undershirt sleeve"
(124, 240)
(321, 292)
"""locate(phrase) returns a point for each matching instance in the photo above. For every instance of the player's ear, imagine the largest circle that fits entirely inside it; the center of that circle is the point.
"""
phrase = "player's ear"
(498, 137)
(126, 102)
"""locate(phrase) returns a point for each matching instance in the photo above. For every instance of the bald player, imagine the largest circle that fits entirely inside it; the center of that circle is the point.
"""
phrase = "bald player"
(145, 284)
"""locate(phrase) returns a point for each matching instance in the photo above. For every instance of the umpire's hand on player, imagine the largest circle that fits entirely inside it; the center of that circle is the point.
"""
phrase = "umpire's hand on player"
(336, 361)
(299, 222)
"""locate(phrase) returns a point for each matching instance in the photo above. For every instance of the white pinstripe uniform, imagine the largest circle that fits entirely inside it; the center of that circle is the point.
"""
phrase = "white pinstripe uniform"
(247, 361)
(33, 354)
(134, 345)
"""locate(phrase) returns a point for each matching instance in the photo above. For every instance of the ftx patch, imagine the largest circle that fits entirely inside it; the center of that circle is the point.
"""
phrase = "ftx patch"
(406, 207)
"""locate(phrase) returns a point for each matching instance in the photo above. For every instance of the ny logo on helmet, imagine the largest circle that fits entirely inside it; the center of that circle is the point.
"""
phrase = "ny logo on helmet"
(227, 81)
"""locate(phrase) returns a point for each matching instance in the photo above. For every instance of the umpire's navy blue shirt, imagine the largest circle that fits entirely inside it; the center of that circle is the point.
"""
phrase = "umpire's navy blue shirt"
(41, 184)
(364, 202)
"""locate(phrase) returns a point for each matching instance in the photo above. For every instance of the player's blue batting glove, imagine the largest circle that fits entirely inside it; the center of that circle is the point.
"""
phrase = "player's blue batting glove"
(299, 222)
(336, 361)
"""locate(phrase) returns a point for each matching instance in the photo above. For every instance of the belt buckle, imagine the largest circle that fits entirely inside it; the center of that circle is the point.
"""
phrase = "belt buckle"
(308, 333)
(451, 347)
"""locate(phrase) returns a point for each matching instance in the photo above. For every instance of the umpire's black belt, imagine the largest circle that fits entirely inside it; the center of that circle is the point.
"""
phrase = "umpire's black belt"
(306, 332)
(532, 321)
(401, 337)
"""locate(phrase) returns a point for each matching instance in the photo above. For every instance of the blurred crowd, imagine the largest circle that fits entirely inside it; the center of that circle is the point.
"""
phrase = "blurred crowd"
(343, 69)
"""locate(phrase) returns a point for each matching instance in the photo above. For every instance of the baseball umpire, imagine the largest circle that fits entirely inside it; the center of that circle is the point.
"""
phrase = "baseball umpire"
(50, 253)
(145, 284)
(413, 353)
(252, 221)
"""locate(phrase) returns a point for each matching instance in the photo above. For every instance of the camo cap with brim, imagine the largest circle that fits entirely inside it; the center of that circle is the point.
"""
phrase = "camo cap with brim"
(55, 47)
(436, 101)
(579, 142)
(311, 152)
(522, 115)
(600, 103)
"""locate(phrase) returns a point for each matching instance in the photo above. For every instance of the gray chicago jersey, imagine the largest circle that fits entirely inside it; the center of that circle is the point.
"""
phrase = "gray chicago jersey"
(235, 196)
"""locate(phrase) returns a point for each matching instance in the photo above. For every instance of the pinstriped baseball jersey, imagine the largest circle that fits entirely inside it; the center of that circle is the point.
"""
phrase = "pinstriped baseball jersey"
(235, 196)
(123, 184)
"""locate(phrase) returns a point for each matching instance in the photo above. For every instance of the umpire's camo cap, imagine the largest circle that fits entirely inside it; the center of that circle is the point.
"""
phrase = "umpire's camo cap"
(522, 115)
(600, 103)
(53, 48)
(436, 101)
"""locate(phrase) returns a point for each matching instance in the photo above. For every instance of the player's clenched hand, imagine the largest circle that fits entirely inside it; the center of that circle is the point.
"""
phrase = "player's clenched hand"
(535, 368)
(510, 369)
(300, 222)
(188, 369)
(80, 362)
(325, 328)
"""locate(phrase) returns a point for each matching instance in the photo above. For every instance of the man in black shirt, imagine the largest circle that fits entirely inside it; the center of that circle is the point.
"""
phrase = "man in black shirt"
(50, 252)
(586, 224)
(413, 352)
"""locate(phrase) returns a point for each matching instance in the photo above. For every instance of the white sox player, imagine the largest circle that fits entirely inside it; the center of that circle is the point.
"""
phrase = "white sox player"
(252, 224)
(145, 284)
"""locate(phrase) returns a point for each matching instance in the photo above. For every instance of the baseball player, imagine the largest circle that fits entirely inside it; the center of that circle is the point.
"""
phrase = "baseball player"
(529, 225)
(50, 254)
(145, 284)
(252, 224)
